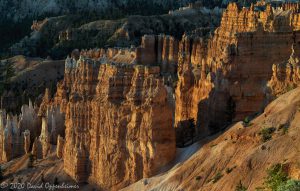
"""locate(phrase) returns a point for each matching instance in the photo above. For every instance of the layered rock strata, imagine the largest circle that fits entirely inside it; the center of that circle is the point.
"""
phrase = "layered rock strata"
(54, 117)
(225, 77)
(118, 118)
(220, 79)
(286, 75)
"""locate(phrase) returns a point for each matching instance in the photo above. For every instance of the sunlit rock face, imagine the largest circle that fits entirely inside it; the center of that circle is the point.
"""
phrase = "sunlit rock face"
(228, 80)
(20, 133)
(286, 75)
(117, 116)
(11, 139)
(45, 138)
(161, 50)
(37, 149)
(16, 131)
(54, 117)
(27, 141)
(111, 118)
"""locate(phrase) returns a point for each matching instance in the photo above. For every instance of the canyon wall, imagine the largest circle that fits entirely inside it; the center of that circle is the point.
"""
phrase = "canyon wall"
(118, 118)
(227, 80)
(114, 113)
(112, 102)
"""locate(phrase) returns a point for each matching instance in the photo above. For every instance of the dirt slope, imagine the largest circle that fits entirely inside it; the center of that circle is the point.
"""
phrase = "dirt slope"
(239, 153)
(17, 171)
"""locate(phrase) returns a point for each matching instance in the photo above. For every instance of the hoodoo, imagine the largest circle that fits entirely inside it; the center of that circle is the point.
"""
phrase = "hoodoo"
(200, 97)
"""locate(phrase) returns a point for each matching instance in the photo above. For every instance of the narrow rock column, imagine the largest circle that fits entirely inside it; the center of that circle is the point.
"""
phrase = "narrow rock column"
(37, 149)
(27, 141)
(45, 138)
(60, 146)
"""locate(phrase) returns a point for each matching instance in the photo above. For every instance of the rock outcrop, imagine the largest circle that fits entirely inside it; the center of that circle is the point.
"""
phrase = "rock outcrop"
(18, 134)
(27, 141)
(37, 149)
(286, 75)
(238, 155)
(118, 118)
(45, 138)
(54, 117)
(11, 139)
(228, 81)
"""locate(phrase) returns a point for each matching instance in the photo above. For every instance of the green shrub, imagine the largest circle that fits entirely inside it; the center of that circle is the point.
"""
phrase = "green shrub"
(276, 177)
(278, 180)
(246, 122)
(211, 146)
(260, 189)
(266, 133)
(217, 177)
(290, 185)
(284, 128)
(198, 177)
(240, 187)
(289, 88)
(229, 170)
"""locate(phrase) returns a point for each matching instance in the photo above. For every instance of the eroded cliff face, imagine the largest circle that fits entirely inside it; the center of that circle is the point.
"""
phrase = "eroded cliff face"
(118, 119)
(11, 140)
(239, 155)
(286, 75)
(228, 80)
(20, 133)
(118, 111)
(17, 132)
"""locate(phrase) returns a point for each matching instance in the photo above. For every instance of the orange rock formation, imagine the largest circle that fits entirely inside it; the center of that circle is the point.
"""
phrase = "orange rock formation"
(286, 75)
(118, 118)
(229, 80)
